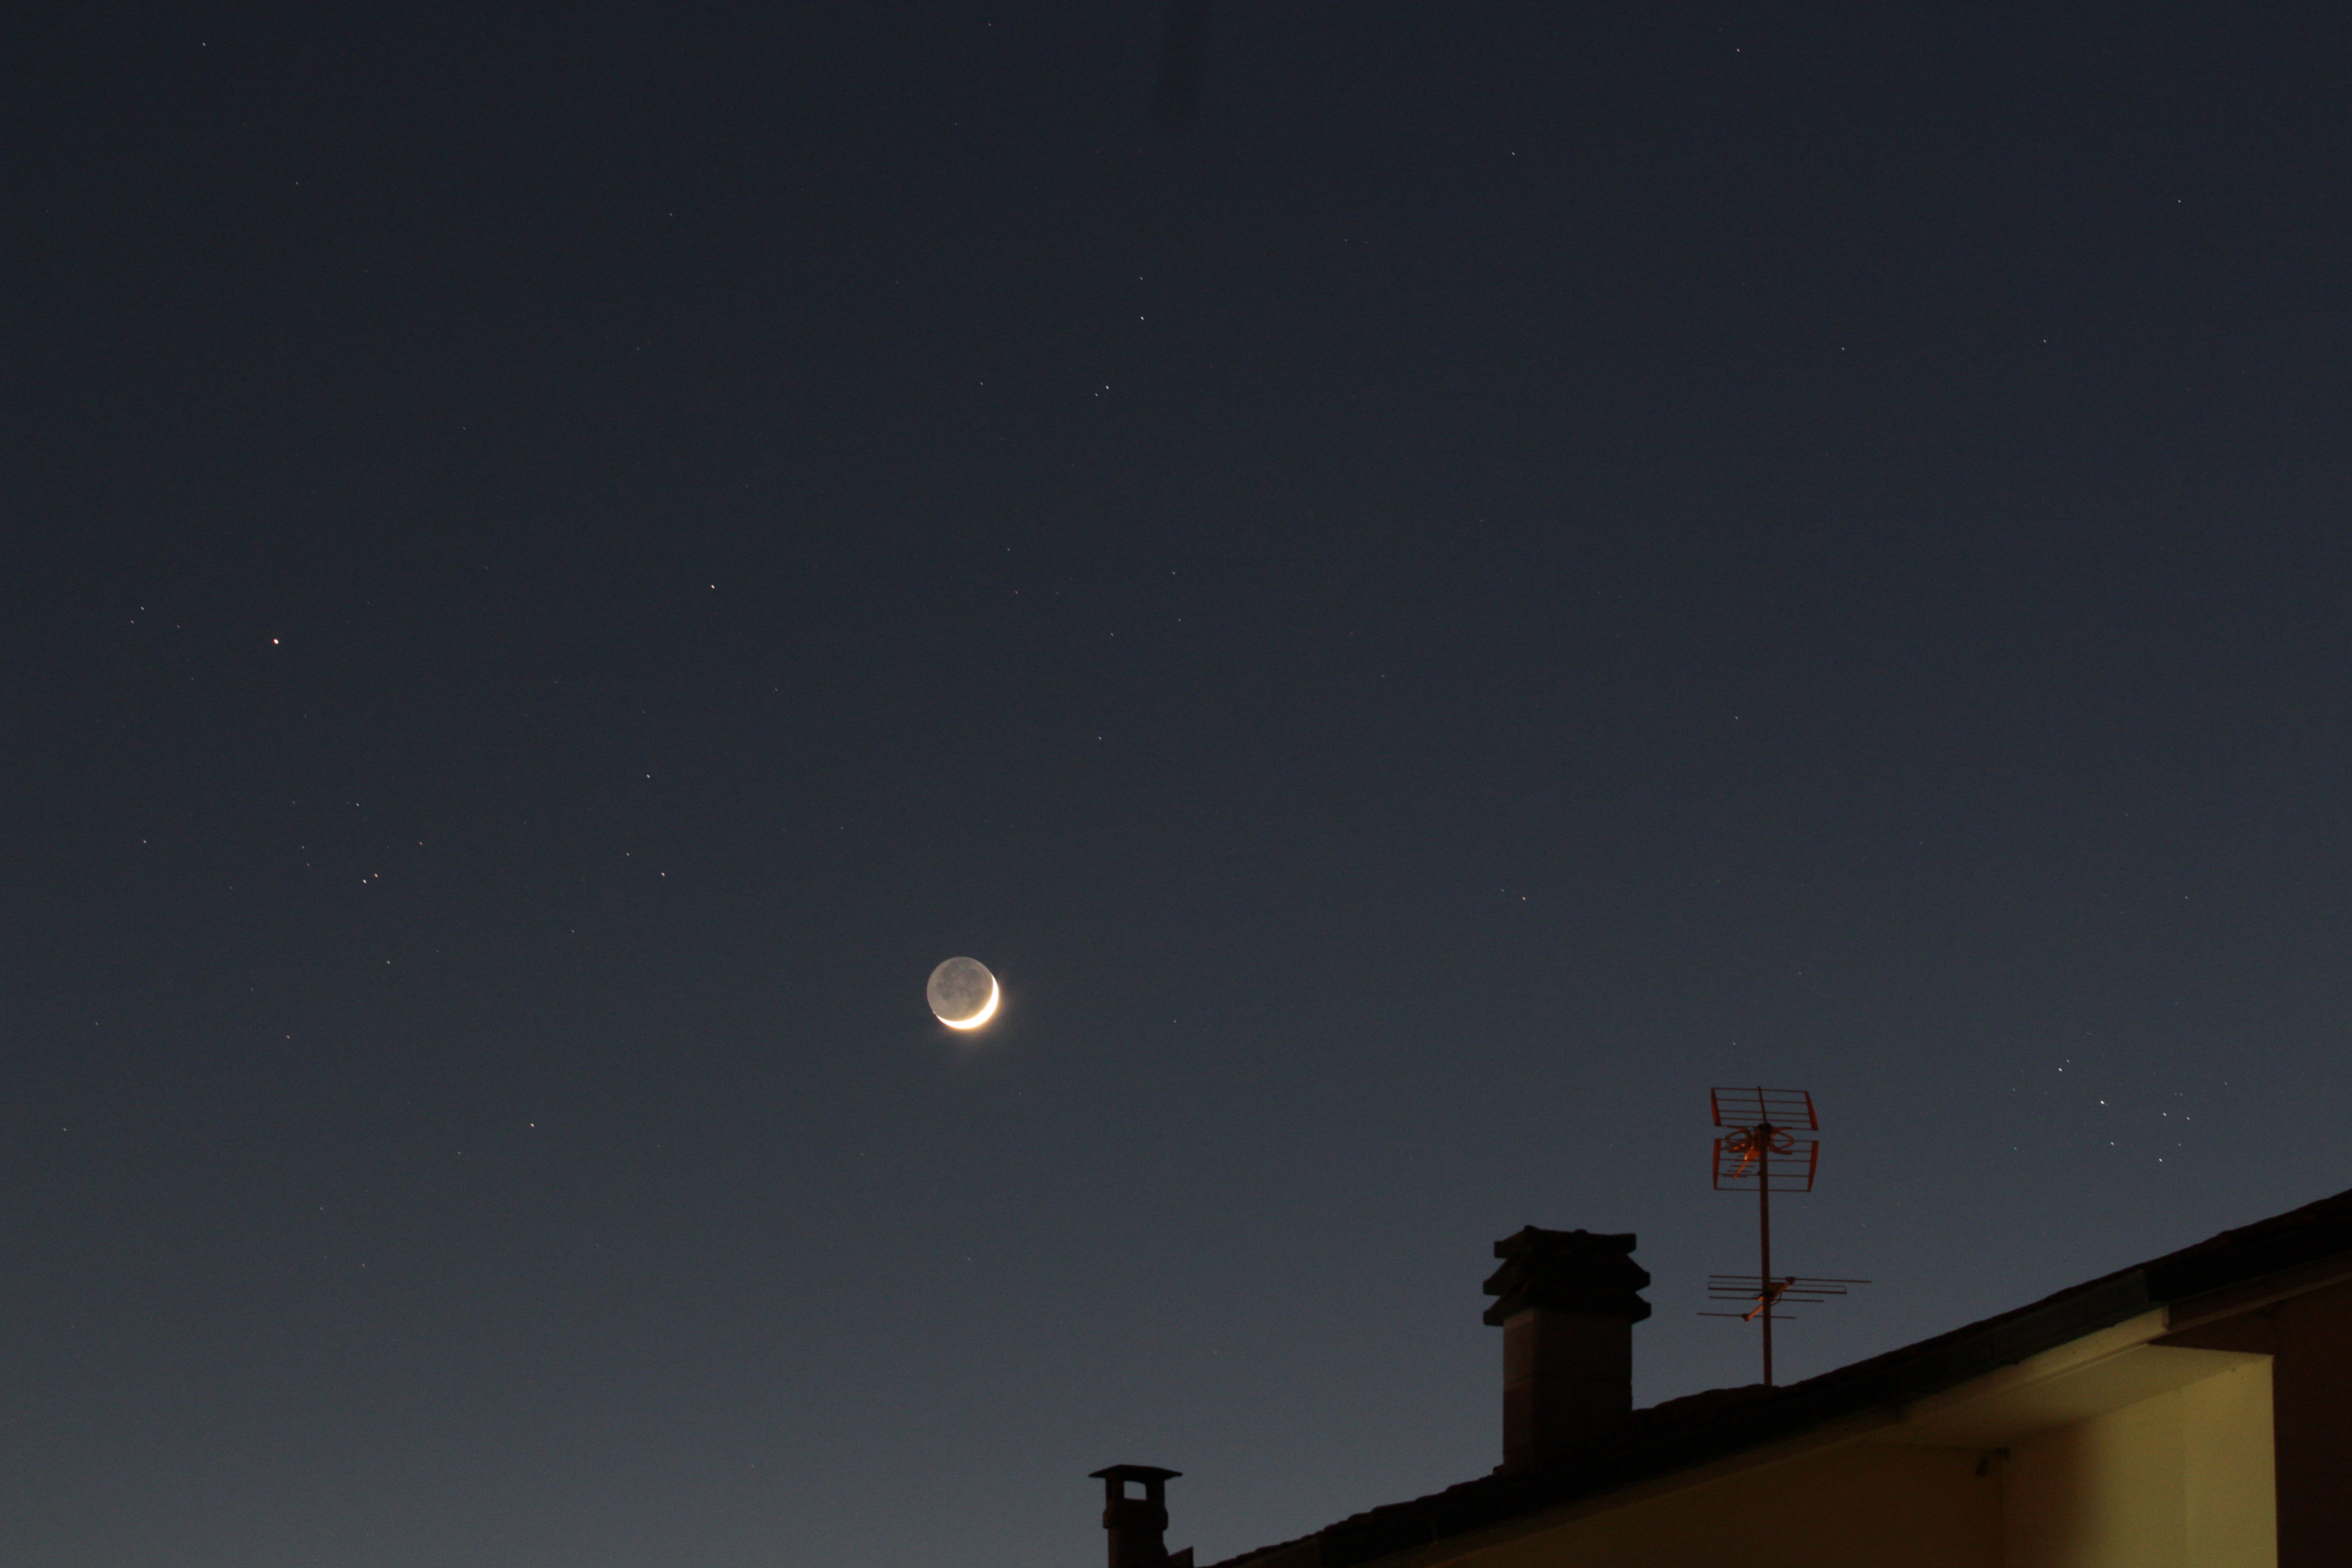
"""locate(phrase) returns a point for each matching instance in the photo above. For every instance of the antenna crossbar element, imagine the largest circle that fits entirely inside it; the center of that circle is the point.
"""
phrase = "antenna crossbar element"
(1800, 1284)
(1766, 1147)
(1790, 1290)
(1766, 1157)
(1745, 1106)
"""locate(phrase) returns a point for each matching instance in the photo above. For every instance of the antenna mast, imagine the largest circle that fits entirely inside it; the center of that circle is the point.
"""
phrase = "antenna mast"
(1769, 1145)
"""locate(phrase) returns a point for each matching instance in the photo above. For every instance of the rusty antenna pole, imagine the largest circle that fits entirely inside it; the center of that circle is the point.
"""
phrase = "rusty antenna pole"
(1767, 1139)
(1764, 1132)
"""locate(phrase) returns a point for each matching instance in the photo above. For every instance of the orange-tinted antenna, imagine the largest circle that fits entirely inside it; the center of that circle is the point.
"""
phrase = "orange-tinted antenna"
(1767, 1146)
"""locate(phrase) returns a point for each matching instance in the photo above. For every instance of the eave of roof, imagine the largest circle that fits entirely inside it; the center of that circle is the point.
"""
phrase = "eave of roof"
(1684, 1433)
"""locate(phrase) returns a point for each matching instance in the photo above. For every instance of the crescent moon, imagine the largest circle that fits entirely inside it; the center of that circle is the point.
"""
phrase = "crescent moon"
(963, 995)
(983, 1015)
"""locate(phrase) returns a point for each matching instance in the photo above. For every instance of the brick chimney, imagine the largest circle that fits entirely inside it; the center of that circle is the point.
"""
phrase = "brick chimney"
(1136, 1524)
(1566, 1311)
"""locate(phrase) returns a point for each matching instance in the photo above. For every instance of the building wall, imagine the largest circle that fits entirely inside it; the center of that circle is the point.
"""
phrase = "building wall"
(2180, 1481)
(1864, 1505)
(2309, 1339)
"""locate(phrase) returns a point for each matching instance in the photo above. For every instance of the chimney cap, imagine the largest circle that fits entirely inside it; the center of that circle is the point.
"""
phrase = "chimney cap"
(1590, 1243)
(1569, 1271)
(1146, 1473)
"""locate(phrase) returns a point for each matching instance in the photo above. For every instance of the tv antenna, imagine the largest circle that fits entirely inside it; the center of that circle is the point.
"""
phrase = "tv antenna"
(1768, 1145)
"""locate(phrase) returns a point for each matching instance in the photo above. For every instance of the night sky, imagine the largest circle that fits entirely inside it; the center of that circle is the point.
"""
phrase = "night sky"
(1423, 583)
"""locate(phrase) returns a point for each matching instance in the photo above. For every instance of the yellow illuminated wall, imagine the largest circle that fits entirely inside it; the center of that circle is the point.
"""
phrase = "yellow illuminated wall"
(1864, 1505)
(2181, 1480)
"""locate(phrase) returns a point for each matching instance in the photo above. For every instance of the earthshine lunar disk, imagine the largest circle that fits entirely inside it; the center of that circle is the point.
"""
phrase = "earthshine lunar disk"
(962, 994)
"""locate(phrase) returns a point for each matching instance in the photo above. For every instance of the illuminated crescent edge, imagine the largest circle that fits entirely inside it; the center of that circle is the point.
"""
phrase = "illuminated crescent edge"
(984, 1015)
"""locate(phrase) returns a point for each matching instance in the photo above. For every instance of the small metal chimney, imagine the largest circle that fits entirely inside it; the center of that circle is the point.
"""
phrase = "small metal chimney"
(1566, 1311)
(1138, 1524)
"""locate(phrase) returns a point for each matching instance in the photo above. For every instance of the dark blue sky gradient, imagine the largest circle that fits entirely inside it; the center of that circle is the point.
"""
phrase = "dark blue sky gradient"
(1529, 562)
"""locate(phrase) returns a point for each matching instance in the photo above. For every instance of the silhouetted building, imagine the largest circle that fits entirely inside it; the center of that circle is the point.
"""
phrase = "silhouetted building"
(2193, 1412)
